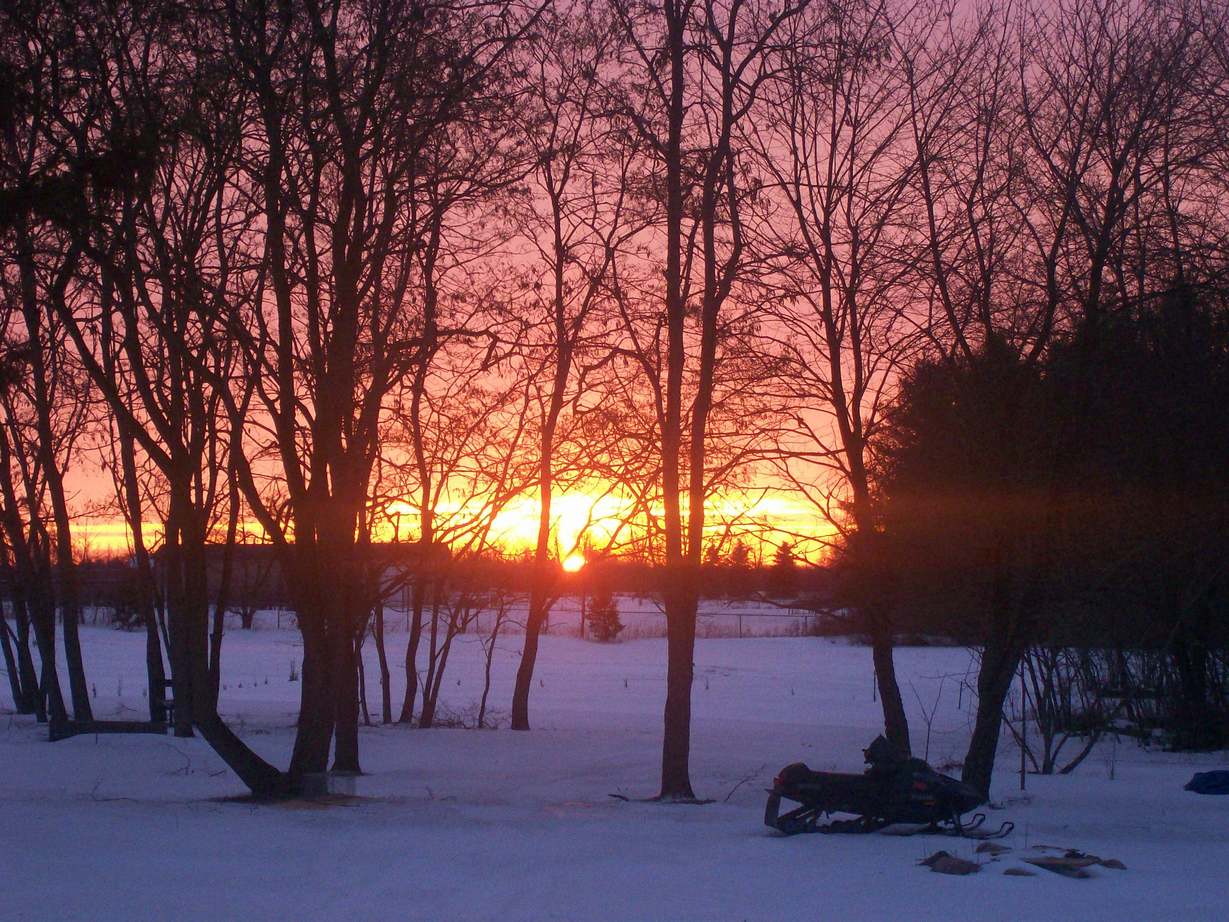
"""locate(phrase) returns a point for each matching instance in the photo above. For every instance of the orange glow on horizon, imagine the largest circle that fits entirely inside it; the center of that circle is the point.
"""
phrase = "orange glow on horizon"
(764, 520)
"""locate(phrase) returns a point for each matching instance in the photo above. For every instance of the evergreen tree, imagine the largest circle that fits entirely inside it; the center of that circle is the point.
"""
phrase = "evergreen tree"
(604, 623)
(784, 571)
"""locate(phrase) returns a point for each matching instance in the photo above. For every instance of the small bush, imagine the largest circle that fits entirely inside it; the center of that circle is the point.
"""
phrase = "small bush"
(604, 623)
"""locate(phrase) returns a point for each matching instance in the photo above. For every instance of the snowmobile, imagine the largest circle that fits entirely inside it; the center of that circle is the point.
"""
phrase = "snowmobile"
(894, 789)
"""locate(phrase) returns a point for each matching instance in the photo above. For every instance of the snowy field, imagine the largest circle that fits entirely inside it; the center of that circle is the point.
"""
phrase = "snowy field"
(464, 824)
(640, 617)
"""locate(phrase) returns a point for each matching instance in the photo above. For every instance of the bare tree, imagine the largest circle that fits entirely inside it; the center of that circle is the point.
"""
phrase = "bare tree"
(467, 330)
(832, 135)
(40, 265)
(577, 212)
(694, 70)
(28, 564)
(132, 504)
(465, 431)
(347, 97)
(143, 156)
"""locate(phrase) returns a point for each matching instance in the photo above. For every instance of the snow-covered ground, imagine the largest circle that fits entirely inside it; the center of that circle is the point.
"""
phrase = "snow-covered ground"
(641, 618)
(465, 824)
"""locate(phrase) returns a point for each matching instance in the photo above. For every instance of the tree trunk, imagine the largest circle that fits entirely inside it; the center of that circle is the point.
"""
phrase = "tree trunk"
(17, 659)
(155, 675)
(430, 687)
(20, 704)
(317, 709)
(147, 589)
(70, 603)
(68, 596)
(178, 625)
(345, 689)
(680, 602)
(386, 700)
(998, 669)
(25, 665)
(223, 596)
(33, 600)
(190, 629)
(195, 617)
(1194, 725)
(215, 656)
(489, 652)
(362, 680)
(435, 680)
(538, 607)
(680, 669)
(261, 778)
(154, 671)
(71, 615)
(896, 725)
(411, 654)
(539, 596)
(48, 442)
(49, 679)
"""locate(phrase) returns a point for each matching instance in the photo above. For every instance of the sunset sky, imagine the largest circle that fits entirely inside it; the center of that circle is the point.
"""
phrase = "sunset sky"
(764, 519)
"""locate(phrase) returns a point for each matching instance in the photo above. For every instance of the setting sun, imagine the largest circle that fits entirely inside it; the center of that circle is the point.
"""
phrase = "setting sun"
(466, 411)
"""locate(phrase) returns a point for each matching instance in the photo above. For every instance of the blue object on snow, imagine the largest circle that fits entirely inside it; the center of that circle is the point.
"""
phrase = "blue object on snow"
(1209, 783)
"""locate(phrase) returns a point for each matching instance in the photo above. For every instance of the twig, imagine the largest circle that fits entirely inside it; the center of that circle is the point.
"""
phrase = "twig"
(744, 780)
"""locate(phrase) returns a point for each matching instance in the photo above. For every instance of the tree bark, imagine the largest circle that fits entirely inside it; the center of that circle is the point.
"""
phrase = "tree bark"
(261, 778)
(178, 627)
(31, 561)
(146, 586)
(222, 599)
(346, 678)
(538, 608)
(998, 669)
(676, 737)
(25, 666)
(411, 654)
(18, 661)
(386, 701)
(430, 686)
(20, 704)
(896, 725)
(316, 707)
(362, 680)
